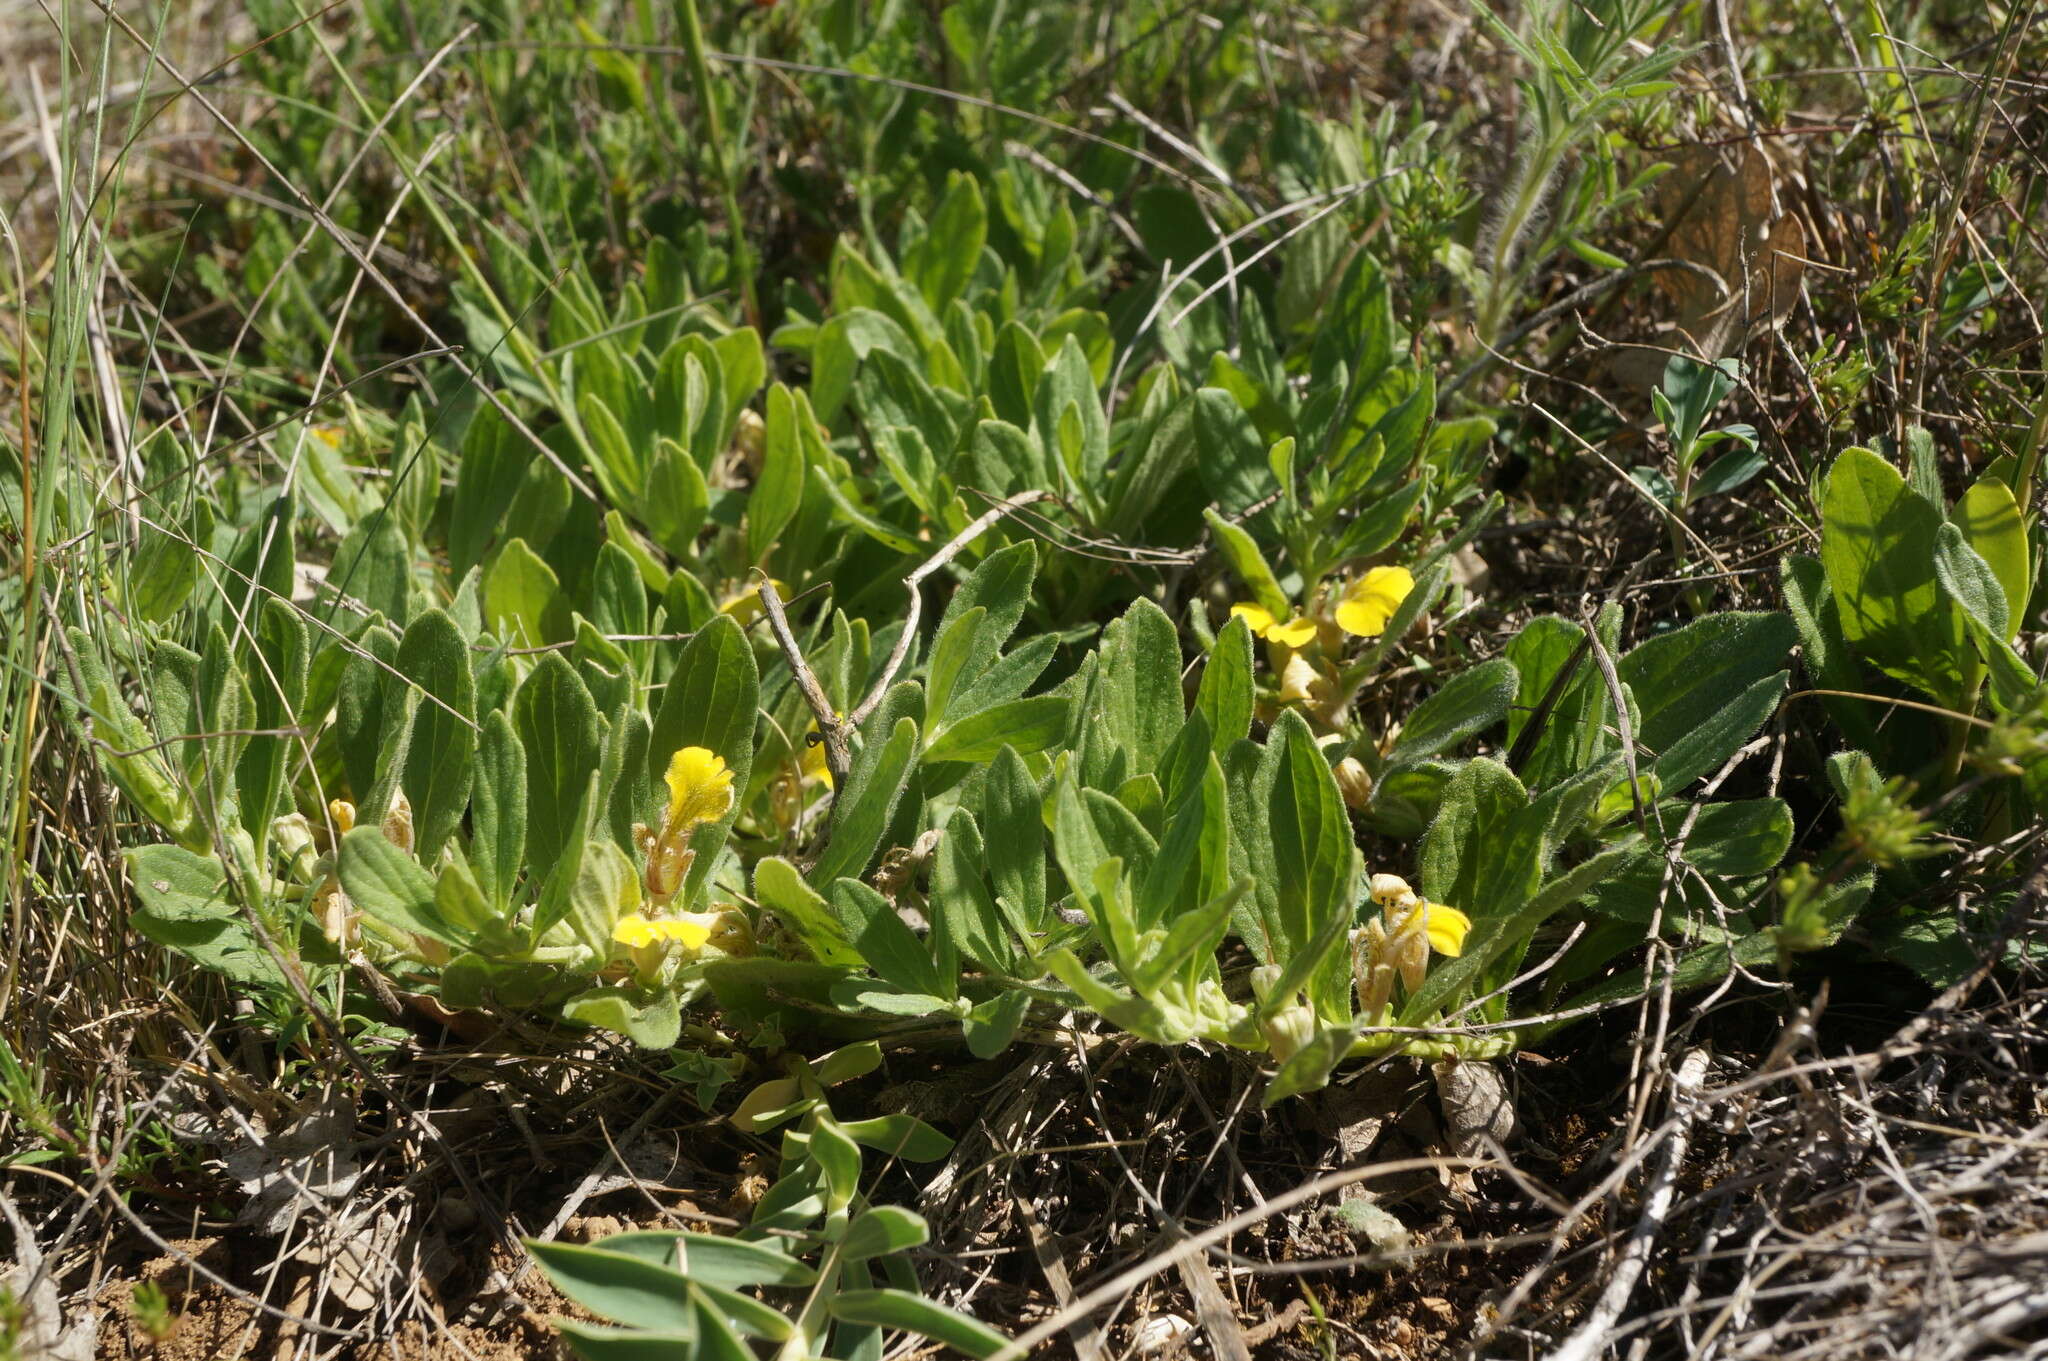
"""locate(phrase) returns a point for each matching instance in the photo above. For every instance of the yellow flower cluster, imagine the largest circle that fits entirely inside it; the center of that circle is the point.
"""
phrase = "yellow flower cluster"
(1362, 611)
(699, 791)
(1399, 942)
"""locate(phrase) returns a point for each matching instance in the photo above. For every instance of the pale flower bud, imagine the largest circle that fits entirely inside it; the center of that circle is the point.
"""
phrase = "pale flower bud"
(1391, 890)
(750, 439)
(1287, 1030)
(398, 823)
(1354, 782)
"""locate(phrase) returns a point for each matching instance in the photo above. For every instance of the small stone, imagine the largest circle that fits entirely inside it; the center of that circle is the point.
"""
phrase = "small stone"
(1160, 1333)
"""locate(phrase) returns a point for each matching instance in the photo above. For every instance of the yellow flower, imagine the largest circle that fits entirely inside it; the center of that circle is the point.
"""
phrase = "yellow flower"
(699, 787)
(1446, 927)
(690, 930)
(1370, 601)
(1296, 632)
(699, 790)
(1398, 944)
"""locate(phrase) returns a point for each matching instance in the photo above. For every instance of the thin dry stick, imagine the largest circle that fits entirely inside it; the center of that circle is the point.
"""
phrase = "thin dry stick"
(836, 728)
(1594, 1334)
(838, 752)
(1134, 1276)
(911, 583)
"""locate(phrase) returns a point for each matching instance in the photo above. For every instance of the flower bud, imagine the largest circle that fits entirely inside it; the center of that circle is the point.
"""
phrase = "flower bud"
(398, 823)
(1354, 782)
(1391, 890)
(1288, 1029)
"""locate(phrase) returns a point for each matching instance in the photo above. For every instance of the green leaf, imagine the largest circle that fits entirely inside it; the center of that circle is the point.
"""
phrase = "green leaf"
(782, 890)
(606, 888)
(280, 676)
(439, 764)
(1316, 864)
(1704, 749)
(1139, 690)
(225, 945)
(184, 905)
(960, 902)
(369, 716)
(559, 728)
(991, 1026)
(593, 1343)
(1741, 838)
(652, 1021)
(676, 500)
(1990, 522)
(1466, 706)
(617, 1286)
(1481, 856)
(227, 710)
(498, 810)
(1308, 1069)
(713, 1259)
(886, 1228)
(98, 712)
(1509, 929)
(838, 1156)
(900, 1136)
(1825, 653)
(1025, 725)
(1011, 808)
(1228, 696)
(520, 596)
(391, 887)
(1878, 543)
(1968, 580)
(1000, 585)
(1696, 683)
(1233, 463)
(901, 1310)
(953, 650)
(779, 490)
(888, 946)
(862, 812)
(946, 258)
(1242, 553)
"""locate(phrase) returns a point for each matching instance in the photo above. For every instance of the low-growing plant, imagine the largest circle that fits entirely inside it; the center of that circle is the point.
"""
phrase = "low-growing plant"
(1914, 606)
(813, 1239)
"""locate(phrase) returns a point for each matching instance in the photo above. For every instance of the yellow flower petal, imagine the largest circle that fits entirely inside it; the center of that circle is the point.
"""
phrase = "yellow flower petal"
(699, 788)
(690, 930)
(813, 762)
(1371, 601)
(633, 931)
(1296, 632)
(1446, 927)
(1255, 618)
